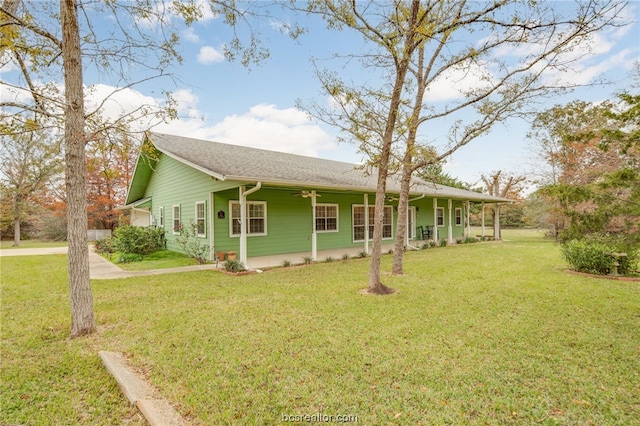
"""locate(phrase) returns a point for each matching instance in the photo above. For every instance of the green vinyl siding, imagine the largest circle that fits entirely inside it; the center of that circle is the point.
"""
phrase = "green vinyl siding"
(174, 183)
(289, 220)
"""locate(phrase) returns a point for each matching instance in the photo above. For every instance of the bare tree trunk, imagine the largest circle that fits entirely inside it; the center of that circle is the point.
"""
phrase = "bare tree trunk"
(403, 208)
(82, 316)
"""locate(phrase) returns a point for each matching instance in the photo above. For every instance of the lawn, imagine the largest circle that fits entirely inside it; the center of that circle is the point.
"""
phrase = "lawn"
(490, 333)
(158, 260)
(8, 244)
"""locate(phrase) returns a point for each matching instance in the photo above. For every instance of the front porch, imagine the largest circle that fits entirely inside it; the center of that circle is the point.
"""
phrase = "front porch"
(261, 262)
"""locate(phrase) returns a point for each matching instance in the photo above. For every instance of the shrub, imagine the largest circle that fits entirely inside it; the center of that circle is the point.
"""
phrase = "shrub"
(443, 242)
(191, 244)
(345, 256)
(588, 256)
(104, 246)
(594, 256)
(286, 263)
(234, 266)
(137, 239)
(470, 240)
(307, 260)
(362, 254)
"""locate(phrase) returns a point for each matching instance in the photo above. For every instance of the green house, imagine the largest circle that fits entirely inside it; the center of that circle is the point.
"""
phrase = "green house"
(291, 206)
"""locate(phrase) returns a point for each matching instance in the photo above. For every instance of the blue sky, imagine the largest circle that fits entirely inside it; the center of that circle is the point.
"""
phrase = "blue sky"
(225, 102)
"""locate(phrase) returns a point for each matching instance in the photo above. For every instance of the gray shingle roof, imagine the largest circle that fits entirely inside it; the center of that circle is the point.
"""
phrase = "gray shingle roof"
(244, 164)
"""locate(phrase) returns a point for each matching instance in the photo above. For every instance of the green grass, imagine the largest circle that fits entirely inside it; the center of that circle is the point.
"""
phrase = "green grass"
(6, 244)
(491, 333)
(159, 260)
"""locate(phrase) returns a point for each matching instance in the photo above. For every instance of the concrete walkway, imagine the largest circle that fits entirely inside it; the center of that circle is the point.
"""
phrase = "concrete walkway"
(99, 267)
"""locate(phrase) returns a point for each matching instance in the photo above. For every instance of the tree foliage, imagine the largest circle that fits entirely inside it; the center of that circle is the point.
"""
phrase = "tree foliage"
(598, 188)
(413, 48)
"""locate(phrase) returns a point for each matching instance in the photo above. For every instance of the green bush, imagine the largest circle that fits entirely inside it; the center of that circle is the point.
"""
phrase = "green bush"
(192, 245)
(104, 246)
(233, 266)
(138, 239)
(594, 256)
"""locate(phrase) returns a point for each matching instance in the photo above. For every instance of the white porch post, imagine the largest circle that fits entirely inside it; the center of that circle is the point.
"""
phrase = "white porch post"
(450, 227)
(468, 218)
(366, 223)
(435, 219)
(243, 227)
(496, 225)
(483, 219)
(314, 242)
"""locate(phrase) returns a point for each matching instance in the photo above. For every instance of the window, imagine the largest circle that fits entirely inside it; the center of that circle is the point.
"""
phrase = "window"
(440, 216)
(256, 218)
(458, 215)
(200, 219)
(327, 218)
(176, 219)
(359, 224)
(161, 217)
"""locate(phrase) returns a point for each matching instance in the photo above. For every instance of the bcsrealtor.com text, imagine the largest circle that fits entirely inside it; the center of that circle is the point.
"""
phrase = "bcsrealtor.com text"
(319, 418)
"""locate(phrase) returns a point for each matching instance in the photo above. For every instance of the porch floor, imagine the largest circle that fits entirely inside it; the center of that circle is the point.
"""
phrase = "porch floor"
(260, 262)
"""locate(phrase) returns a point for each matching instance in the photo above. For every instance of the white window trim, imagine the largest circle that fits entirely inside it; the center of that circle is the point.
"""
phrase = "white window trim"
(173, 218)
(161, 217)
(371, 219)
(204, 218)
(248, 203)
(440, 209)
(326, 231)
(457, 216)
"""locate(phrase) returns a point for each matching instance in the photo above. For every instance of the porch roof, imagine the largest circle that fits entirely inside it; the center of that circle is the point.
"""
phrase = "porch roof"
(250, 165)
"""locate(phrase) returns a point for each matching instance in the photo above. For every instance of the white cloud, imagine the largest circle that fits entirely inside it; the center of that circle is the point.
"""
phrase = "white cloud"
(209, 55)
(190, 35)
(266, 126)
(455, 82)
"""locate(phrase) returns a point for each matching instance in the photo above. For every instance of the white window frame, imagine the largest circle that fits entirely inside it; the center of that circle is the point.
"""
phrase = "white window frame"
(232, 218)
(161, 217)
(440, 215)
(203, 219)
(458, 216)
(337, 228)
(371, 222)
(175, 230)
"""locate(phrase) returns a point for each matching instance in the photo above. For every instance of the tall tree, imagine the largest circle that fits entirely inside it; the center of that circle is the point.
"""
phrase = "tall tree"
(28, 162)
(139, 46)
(510, 49)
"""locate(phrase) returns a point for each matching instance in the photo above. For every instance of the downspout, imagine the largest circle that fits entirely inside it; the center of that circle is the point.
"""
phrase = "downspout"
(406, 235)
(243, 221)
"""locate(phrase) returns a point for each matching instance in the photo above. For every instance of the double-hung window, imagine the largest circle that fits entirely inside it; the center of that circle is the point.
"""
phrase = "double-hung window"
(440, 216)
(201, 229)
(256, 218)
(360, 225)
(326, 218)
(176, 219)
(458, 216)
